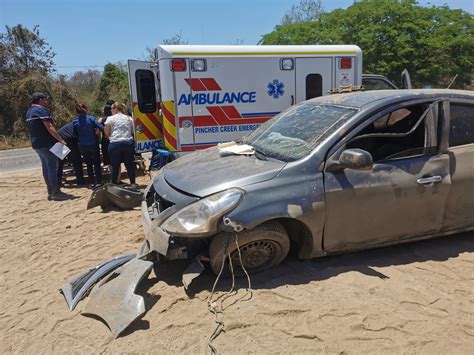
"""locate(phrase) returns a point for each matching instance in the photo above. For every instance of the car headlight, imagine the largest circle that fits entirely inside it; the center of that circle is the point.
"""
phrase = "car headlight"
(201, 217)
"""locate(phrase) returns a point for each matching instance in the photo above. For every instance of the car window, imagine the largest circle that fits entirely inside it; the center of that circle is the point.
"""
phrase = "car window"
(401, 133)
(462, 125)
(376, 84)
(294, 133)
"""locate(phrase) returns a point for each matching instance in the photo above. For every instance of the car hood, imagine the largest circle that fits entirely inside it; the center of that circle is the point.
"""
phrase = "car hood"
(206, 172)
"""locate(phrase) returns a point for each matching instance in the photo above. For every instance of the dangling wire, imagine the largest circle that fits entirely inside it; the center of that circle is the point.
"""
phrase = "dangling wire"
(216, 307)
(212, 305)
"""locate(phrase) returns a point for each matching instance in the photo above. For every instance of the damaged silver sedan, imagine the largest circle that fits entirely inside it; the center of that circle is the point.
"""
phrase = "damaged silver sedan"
(333, 174)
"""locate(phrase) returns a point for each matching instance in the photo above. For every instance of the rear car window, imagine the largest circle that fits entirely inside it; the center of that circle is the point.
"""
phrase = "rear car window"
(462, 125)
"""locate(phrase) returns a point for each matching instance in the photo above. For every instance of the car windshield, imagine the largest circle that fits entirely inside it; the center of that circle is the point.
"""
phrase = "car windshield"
(294, 133)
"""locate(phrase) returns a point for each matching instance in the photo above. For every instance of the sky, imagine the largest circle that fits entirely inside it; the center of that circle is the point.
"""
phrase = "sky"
(87, 34)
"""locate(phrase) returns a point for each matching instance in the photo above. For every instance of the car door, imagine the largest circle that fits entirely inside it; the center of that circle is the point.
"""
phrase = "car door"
(460, 205)
(404, 193)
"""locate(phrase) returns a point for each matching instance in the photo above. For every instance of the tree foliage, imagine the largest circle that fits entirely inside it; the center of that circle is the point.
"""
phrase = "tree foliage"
(306, 10)
(26, 62)
(433, 43)
(113, 84)
(24, 51)
(26, 66)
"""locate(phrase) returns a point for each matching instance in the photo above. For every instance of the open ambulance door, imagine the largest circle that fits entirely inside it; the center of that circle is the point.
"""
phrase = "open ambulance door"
(145, 99)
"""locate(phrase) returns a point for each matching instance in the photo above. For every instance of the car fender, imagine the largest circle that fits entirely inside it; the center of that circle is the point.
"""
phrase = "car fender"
(301, 199)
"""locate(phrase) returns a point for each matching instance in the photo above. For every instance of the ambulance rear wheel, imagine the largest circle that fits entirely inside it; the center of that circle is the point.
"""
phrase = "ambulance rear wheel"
(261, 248)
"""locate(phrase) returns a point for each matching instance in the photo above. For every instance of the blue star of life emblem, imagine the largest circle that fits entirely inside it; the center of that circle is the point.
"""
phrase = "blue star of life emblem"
(276, 89)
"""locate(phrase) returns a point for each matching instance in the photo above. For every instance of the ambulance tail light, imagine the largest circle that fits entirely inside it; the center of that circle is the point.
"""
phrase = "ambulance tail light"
(345, 63)
(178, 65)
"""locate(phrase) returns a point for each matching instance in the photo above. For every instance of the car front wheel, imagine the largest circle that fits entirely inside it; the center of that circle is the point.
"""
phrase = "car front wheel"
(260, 248)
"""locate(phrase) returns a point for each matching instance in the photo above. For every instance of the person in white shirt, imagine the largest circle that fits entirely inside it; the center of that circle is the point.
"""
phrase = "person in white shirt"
(119, 131)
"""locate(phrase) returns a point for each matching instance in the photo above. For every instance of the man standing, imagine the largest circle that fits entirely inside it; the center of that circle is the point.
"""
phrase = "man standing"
(43, 136)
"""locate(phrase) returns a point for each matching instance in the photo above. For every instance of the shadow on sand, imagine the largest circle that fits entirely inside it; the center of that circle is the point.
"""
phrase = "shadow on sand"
(295, 272)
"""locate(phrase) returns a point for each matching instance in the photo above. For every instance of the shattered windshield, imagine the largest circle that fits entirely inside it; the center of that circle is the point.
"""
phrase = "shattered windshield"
(293, 134)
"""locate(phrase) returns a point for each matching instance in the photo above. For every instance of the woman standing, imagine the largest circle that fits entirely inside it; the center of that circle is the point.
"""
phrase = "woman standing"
(119, 130)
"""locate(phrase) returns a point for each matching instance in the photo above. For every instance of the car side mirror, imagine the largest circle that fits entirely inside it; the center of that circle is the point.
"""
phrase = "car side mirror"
(357, 159)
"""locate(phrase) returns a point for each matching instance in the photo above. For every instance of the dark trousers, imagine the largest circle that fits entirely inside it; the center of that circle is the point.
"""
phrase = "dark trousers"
(104, 146)
(91, 156)
(122, 152)
(74, 157)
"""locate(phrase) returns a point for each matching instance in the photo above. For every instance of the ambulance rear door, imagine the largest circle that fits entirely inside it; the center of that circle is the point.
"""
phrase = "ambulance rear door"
(145, 98)
(231, 96)
(314, 77)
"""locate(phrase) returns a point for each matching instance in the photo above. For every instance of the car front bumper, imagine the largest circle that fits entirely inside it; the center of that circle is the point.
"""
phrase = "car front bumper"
(155, 209)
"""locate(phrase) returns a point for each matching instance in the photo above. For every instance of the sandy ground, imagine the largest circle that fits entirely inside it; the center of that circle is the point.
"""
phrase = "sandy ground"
(415, 298)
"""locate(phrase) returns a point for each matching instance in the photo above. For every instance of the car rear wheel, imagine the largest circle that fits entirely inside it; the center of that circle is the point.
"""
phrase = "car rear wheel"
(260, 248)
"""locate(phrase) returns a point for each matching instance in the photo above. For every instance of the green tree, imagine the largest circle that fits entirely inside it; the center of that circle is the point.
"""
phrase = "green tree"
(113, 84)
(306, 10)
(433, 43)
(26, 60)
(84, 87)
(23, 50)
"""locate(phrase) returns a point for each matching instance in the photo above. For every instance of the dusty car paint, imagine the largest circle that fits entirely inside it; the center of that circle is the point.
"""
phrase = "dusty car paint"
(324, 207)
(308, 197)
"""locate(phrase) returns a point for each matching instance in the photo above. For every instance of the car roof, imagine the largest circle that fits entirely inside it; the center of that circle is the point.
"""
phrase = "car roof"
(364, 98)
(365, 76)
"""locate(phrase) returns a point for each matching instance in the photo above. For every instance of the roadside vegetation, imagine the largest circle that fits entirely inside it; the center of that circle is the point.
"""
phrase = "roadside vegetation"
(433, 43)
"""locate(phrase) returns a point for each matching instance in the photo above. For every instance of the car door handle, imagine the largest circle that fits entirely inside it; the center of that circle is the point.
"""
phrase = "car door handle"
(428, 181)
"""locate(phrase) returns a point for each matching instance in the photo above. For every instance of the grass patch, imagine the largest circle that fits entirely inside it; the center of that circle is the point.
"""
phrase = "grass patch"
(13, 143)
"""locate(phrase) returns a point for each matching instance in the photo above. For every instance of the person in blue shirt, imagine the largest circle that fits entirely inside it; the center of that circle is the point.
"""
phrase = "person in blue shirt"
(87, 130)
(74, 157)
(43, 136)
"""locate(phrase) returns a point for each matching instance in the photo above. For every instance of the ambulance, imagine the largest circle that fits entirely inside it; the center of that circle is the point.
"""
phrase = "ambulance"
(193, 97)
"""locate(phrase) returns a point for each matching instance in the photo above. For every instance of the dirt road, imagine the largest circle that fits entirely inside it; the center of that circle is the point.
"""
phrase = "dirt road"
(410, 299)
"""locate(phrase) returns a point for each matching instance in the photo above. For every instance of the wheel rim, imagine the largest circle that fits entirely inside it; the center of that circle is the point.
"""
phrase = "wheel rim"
(257, 254)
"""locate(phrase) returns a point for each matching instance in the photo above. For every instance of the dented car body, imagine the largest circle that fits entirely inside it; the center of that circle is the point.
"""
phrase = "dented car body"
(333, 174)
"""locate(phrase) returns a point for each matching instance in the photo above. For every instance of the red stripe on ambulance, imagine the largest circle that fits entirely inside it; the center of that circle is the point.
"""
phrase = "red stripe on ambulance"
(203, 84)
(211, 84)
(170, 139)
(196, 84)
(231, 111)
(145, 129)
(155, 120)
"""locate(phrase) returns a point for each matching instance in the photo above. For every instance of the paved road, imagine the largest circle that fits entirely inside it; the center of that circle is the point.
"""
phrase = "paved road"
(18, 160)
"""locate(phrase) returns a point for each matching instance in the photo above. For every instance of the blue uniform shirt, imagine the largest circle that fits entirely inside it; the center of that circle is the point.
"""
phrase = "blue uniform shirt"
(39, 135)
(67, 131)
(84, 128)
